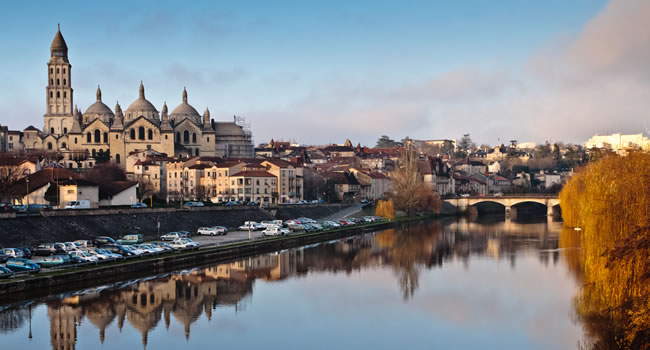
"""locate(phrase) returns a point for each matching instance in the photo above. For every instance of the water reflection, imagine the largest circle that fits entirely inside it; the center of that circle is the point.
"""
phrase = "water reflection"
(186, 296)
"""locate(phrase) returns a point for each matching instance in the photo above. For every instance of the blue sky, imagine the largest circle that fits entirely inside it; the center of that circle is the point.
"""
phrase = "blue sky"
(321, 72)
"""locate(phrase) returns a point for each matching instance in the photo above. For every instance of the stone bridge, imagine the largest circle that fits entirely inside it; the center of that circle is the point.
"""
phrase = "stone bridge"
(464, 203)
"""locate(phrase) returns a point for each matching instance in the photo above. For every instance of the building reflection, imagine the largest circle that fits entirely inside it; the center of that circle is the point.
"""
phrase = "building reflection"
(186, 296)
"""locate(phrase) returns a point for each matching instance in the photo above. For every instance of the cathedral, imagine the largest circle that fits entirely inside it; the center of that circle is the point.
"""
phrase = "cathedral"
(99, 132)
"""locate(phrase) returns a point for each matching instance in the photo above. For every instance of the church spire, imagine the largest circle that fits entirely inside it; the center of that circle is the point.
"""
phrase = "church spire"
(184, 95)
(99, 94)
(141, 90)
(59, 47)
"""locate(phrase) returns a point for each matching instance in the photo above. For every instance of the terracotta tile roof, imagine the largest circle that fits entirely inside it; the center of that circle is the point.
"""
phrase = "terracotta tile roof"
(39, 179)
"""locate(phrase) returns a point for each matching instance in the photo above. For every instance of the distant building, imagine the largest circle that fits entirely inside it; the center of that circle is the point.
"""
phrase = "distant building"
(619, 143)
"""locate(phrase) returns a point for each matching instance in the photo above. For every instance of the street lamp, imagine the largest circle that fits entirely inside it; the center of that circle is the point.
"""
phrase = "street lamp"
(27, 193)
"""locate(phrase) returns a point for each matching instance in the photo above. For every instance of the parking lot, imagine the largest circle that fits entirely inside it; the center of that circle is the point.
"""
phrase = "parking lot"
(231, 237)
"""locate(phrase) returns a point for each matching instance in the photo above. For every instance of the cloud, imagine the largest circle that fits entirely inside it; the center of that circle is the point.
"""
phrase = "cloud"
(596, 81)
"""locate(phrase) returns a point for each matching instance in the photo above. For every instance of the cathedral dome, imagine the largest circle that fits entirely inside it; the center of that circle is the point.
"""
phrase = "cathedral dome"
(185, 111)
(141, 107)
(98, 110)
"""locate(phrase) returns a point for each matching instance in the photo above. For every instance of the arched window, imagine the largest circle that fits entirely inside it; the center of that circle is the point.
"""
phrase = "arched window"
(64, 145)
(150, 134)
(197, 151)
(65, 130)
(132, 134)
(49, 145)
(58, 94)
(94, 153)
(51, 130)
(178, 137)
(64, 81)
(105, 137)
(97, 136)
(88, 137)
(193, 137)
(64, 94)
(51, 94)
(58, 82)
(141, 133)
(186, 136)
(51, 81)
(208, 140)
(117, 158)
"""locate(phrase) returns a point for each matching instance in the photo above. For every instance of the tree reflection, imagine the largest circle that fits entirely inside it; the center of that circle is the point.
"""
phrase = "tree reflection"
(12, 319)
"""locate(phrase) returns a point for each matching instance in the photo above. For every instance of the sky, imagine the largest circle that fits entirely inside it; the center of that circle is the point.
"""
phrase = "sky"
(322, 72)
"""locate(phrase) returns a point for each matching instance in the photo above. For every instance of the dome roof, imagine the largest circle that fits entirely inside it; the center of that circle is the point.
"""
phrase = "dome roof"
(99, 107)
(185, 110)
(141, 104)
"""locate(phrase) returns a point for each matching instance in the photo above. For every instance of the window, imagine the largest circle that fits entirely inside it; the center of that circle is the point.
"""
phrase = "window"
(49, 145)
(63, 70)
(58, 94)
(257, 182)
(208, 139)
(75, 140)
(132, 134)
(70, 191)
(65, 130)
(193, 137)
(197, 151)
(51, 70)
(178, 137)
(117, 137)
(97, 136)
(165, 137)
(150, 134)
(94, 153)
(64, 145)
(51, 130)
(64, 81)
(117, 158)
(141, 133)
(51, 94)
(58, 82)
(105, 137)
(51, 81)
(88, 137)
(57, 71)
(186, 136)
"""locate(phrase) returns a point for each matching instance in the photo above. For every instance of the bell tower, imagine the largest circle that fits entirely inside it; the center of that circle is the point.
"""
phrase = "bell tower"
(58, 92)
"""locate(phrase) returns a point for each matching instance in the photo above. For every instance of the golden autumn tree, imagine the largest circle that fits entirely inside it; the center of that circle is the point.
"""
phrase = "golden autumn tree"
(610, 201)
(385, 209)
(410, 193)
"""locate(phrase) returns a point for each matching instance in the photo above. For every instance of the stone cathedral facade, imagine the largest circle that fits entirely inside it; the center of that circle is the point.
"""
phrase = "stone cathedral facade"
(85, 135)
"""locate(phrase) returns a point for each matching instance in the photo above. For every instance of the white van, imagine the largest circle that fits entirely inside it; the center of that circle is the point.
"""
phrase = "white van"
(80, 204)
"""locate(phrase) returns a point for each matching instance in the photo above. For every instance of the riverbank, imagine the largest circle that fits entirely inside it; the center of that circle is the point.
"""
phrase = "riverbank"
(90, 276)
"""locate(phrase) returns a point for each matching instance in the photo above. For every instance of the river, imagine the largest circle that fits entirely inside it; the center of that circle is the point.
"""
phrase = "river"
(450, 284)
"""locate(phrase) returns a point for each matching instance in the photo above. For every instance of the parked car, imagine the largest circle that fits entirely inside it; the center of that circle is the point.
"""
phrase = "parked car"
(84, 256)
(181, 243)
(498, 194)
(20, 265)
(295, 227)
(331, 224)
(82, 243)
(163, 245)
(210, 231)
(222, 230)
(45, 249)
(139, 205)
(5, 272)
(70, 246)
(147, 249)
(80, 204)
(103, 240)
(465, 195)
(118, 249)
(107, 254)
(275, 231)
(6, 208)
(193, 204)
(3, 257)
(26, 252)
(13, 252)
(134, 250)
(171, 236)
(231, 203)
(36, 208)
(54, 260)
(131, 239)
(251, 225)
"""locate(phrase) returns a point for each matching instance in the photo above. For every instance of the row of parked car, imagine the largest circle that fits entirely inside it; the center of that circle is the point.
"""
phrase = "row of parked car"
(101, 249)
(279, 228)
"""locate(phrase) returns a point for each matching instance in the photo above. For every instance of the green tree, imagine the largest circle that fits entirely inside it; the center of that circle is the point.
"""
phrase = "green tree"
(386, 142)
(557, 156)
(465, 146)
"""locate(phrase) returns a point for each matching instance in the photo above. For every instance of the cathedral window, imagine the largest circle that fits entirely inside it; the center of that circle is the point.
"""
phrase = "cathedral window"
(63, 70)
(51, 130)
(64, 94)
(57, 71)
(97, 136)
(64, 81)
(51, 70)
(117, 137)
(150, 134)
(75, 140)
(141, 133)
(65, 130)
(58, 94)
(64, 145)
(105, 137)
(94, 153)
(193, 137)
(51, 94)
(58, 82)
(132, 134)
(165, 137)
(51, 81)
(88, 137)
(49, 145)
(208, 140)
(117, 158)
(186, 136)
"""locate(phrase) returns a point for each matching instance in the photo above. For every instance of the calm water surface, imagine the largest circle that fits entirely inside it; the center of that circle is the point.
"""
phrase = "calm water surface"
(451, 284)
